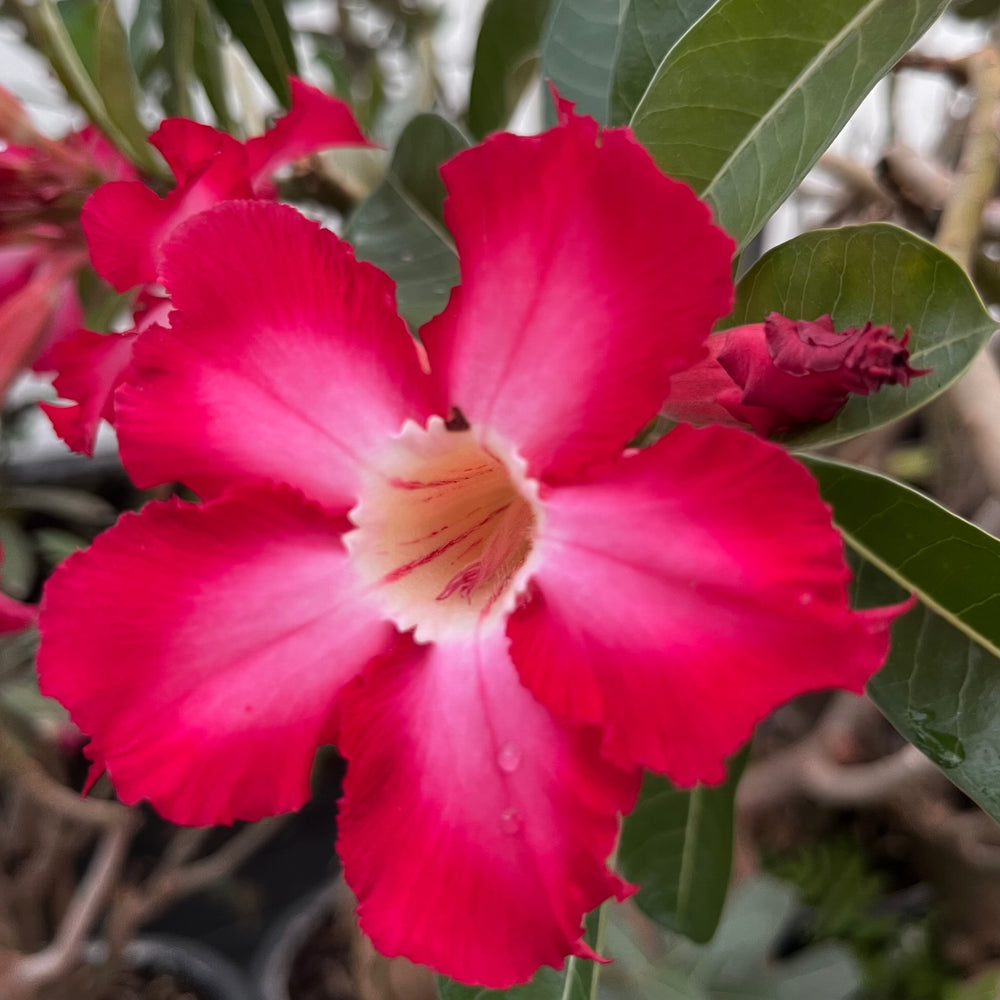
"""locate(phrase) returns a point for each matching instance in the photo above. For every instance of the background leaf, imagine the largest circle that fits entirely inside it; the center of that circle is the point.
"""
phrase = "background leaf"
(574, 983)
(262, 27)
(941, 684)
(578, 51)
(400, 227)
(884, 274)
(649, 30)
(747, 101)
(677, 846)
(505, 55)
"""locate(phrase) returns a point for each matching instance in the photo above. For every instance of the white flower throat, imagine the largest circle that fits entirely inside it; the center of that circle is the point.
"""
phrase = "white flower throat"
(445, 528)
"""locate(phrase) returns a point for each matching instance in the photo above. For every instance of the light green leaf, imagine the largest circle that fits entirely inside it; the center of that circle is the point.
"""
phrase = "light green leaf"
(262, 27)
(400, 227)
(506, 53)
(677, 846)
(578, 51)
(88, 50)
(880, 273)
(650, 29)
(750, 97)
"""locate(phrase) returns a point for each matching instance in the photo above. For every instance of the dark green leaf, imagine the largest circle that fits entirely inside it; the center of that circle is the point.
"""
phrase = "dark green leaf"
(578, 51)
(941, 690)
(881, 273)
(262, 27)
(144, 37)
(505, 56)
(950, 564)
(208, 64)
(178, 57)
(649, 30)
(677, 846)
(400, 227)
(750, 97)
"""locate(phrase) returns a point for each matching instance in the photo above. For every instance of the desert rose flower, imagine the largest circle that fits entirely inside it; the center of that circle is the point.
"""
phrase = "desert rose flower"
(127, 224)
(43, 185)
(783, 373)
(445, 560)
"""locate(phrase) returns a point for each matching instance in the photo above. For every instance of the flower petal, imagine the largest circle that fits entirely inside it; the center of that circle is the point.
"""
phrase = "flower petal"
(202, 647)
(588, 278)
(686, 591)
(286, 361)
(474, 827)
(126, 224)
(314, 121)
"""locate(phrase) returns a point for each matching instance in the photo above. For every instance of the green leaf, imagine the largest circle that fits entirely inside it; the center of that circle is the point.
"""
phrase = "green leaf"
(208, 64)
(400, 227)
(574, 983)
(262, 27)
(880, 273)
(650, 29)
(88, 49)
(578, 51)
(144, 37)
(940, 689)
(178, 57)
(506, 52)
(677, 846)
(744, 104)
(941, 684)
(950, 564)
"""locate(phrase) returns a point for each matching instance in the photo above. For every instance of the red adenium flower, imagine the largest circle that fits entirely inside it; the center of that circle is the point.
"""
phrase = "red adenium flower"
(43, 184)
(453, 570)
(783, 373)
(127, 224)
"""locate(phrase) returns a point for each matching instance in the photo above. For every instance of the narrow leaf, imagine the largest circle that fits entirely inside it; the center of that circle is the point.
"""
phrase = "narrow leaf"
(573, 983)
(677, 846)
(578, 51)
(941, 690)
(750, 97)
(208, 64)
(178, 57)
(262, 27)
(506, 52)
(400, 227)
(650, 29)
(950, 564)
(880, 273)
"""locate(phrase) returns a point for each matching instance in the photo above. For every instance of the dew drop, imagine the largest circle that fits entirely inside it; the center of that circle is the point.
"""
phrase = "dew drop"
(806, 598)
(509, 758)
(510, 820)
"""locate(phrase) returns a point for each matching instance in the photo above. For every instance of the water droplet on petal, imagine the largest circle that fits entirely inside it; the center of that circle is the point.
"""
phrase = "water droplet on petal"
(510, 820)
(806, 598)
(509, 758)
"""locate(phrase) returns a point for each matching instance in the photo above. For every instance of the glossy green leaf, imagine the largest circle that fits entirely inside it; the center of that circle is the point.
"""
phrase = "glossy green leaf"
(262, 28)
(506, 53)
(950, 564)
(874, 272)
(88, 50)
(650, 29)
(677, 846)
(940, 689)
(750, 97)
(400, 227)
(578, 52)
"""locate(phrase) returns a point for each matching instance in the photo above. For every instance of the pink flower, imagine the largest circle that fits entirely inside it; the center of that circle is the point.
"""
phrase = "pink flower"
(127, 224)
(447, 562)
(43, 184)
(781, 374)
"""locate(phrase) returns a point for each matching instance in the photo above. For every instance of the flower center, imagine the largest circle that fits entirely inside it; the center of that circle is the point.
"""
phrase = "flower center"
(444, 529)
